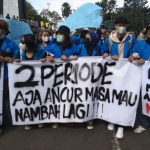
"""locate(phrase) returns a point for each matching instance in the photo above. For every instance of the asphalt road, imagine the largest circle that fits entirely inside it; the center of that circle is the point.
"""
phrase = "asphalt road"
(72, 137)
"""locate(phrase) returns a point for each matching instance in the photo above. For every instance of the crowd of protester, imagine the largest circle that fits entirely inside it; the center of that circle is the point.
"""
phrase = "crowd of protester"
(64, 45)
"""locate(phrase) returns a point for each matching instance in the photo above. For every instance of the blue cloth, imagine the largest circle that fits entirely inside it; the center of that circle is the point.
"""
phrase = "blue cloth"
(47, 47)
(38, 54)
(76, 39)
(142, 48)
(17, 30)
(114, 47)
(83, 52)
(88, 15)
(11, 47)
(57, 50)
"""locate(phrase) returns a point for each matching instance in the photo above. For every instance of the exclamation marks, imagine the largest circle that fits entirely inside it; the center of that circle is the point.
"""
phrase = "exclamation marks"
(102, 109)
(93, 109)
(97, 109)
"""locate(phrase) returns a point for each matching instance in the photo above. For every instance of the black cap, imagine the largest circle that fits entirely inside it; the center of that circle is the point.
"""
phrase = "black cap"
(64, 29)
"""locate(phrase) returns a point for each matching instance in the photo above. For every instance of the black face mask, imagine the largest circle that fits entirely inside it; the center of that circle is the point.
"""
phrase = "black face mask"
(148, 40)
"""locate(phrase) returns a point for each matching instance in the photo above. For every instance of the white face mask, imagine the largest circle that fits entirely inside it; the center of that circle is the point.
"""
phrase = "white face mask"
(45, 39)
(121, 30)
(22, 46)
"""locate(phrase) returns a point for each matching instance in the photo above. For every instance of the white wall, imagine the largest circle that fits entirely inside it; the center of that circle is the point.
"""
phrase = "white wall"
(10, 7)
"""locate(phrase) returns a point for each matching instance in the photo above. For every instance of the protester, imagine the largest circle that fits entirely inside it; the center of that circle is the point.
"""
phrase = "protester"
(63, 48)
(36, 25)
(31, 52)
(142, 51)
(17, 18)
(119, 45)
(142, 35)
(75, 38)
(84, 31)
(45, 40)
(90, 47)
(8, 17)
(32, 23)
(14, 18)
(103, 33)
(8, 51)
(42, 24)
(46, 25)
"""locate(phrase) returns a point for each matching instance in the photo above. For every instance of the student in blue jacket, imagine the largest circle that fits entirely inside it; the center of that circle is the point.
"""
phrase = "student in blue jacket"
(91, 45)
(8, 51)
(120, 42)
(119, 45)
(63, 48)
(31, 52)
(45, 40)
(141, 52)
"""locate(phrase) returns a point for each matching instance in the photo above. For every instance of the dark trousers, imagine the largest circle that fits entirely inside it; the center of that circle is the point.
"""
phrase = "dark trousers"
(6, 104)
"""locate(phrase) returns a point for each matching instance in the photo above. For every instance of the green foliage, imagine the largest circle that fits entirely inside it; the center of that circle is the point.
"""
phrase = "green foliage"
(137, 12)
(66, 10)
(109, 7)
(30, 11)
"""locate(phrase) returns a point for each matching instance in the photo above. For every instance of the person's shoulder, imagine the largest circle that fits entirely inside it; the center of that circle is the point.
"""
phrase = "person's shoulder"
(7, 40)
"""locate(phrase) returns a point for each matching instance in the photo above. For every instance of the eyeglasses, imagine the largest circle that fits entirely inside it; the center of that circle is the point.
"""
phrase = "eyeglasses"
(22, 42)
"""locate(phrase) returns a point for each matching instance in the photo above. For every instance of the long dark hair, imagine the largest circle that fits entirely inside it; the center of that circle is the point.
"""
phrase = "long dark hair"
(30, 41)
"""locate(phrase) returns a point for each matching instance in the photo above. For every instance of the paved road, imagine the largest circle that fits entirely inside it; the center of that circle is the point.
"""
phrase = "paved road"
(71, 137)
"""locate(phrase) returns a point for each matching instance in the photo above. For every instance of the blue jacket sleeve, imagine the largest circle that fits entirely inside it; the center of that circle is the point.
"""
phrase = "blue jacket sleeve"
(105, 47)
(135, 49)
(15, 51)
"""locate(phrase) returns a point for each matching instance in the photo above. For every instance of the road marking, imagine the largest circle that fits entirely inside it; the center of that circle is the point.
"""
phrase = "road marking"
(115, 142)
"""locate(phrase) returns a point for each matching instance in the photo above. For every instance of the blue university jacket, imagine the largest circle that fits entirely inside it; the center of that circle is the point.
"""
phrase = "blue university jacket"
(112, 47)
(57, 50)
(142, 48)
(96, 51)
(11, 47)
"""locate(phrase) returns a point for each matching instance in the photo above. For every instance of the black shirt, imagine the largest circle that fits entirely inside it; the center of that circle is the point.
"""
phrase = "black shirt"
(1, 42)
(120, 39)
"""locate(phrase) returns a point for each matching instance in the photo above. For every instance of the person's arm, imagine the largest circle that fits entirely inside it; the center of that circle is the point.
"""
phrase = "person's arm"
(105, 48)
(134, 53)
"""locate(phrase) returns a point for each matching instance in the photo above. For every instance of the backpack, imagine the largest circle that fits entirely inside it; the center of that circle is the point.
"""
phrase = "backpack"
(111, 42)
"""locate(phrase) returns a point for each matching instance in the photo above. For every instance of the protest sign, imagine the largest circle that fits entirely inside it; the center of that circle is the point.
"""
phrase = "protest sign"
(1, 90)
(146, 88)
(75, 91)
(88, 15)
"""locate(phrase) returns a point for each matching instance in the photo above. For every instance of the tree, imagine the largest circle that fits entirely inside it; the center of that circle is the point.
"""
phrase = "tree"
(109, 7)
(137, 12)
(66, 10)
(55, 18)
(30, 11)
(52, 17)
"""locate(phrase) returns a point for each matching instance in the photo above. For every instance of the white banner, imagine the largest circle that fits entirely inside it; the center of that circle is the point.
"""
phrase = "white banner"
(1, 91)
(146, 88)
(75, 91)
